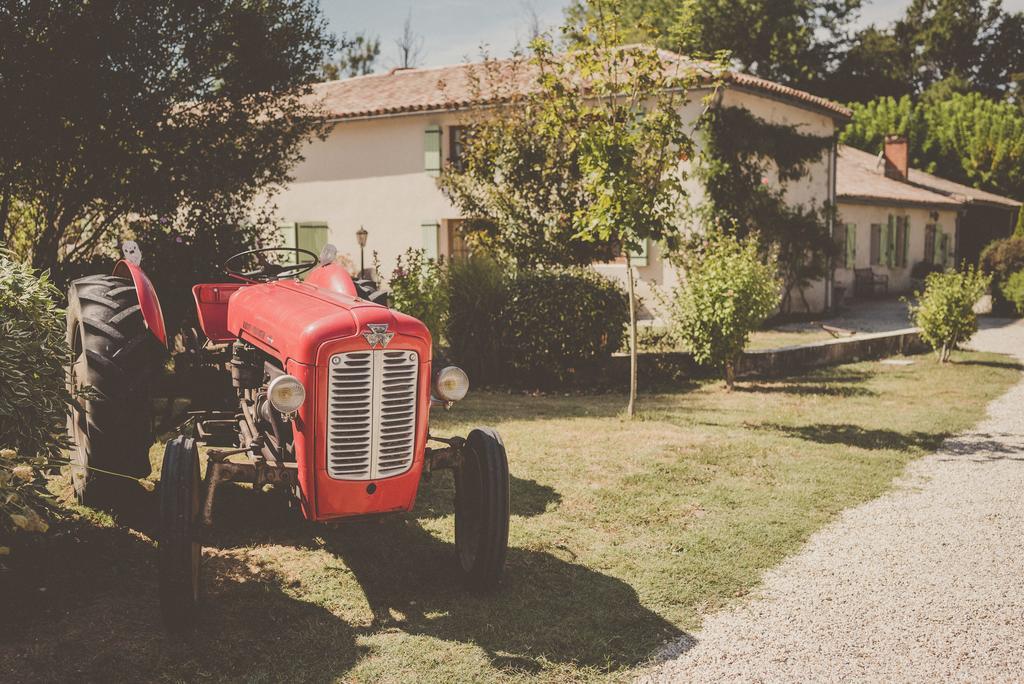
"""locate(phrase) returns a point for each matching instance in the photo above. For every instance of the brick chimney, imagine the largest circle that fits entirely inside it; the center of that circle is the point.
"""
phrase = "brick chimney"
(897, 157)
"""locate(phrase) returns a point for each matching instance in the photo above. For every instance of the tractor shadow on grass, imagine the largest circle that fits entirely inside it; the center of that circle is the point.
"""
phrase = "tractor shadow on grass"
(549, 609)
(81, 604)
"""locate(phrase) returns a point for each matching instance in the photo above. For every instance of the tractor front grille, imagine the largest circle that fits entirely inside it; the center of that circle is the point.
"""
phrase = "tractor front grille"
(371, 413)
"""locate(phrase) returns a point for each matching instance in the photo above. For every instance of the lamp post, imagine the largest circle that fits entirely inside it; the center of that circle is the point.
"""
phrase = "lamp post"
(361, 235)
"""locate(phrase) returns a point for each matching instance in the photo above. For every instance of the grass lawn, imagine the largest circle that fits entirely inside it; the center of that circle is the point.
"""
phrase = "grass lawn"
(624, 534)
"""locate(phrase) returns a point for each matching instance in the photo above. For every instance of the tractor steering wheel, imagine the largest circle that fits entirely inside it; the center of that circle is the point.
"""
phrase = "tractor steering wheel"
(268, 271)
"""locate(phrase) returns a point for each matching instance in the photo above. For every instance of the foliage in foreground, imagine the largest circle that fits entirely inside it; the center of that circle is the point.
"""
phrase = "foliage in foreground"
(945, 310)
(126, 109)
(419, 288)
(33, 391)
(1013, 290)
(727, 292)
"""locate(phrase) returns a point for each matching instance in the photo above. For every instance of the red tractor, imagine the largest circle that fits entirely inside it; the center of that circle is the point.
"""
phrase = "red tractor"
(332, 393)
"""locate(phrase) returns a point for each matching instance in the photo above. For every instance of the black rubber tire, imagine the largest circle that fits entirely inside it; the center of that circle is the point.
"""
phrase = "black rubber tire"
(179, 550)
(482, 510)
(118, 358)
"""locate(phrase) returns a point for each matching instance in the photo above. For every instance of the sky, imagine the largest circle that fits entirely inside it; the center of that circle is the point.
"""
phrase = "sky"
(454, 30)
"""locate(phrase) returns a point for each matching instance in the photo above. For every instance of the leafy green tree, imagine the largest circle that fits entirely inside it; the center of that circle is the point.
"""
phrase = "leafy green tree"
(965, 45)
(357, 56)
(167, 109)
(745, 166)
(945, 310)
(588, 157)
(966, 138)
(792, 41)
(728, 291)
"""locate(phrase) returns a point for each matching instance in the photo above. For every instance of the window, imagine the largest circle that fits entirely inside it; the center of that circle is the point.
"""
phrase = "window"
(430, 234)
(308, 235)
(456, 145)
(902, 237)
(846, 245)
(929, 243)
(456, 235)
(876, 244)
(432, 150)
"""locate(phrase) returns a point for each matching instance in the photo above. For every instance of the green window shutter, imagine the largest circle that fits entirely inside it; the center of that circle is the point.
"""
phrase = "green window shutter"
(432, 150)
(906, 240)
(851, 245)
(944, 257)
(430, 233)
(638, 257)
(876, 244)
(890, 240)
(311, 236)
(288, 239)
(937, 247)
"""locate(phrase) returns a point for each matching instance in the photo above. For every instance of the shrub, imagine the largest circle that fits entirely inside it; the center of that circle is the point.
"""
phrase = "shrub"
(1013, 290)
(419, 288)
(479, 291)
(945, 310)
(1001, 259)
(728, 291)
(33, 393)
(560, 321)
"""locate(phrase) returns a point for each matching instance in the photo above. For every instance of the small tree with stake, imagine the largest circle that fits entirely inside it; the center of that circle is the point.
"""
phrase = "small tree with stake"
(586, 163)
(631, 138)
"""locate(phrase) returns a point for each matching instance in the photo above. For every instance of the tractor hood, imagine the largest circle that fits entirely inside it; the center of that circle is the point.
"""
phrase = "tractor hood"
(291, 319)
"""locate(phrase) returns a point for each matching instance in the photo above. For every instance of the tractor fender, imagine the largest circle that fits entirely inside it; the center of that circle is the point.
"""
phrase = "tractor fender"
(148, 301)
(333, 277)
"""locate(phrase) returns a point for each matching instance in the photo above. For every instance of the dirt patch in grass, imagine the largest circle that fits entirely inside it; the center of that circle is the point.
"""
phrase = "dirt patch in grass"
(623, 535)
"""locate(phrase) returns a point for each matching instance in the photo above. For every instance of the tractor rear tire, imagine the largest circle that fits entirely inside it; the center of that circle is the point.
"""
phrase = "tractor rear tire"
(179, 550)
(482, 509)
(117, 358)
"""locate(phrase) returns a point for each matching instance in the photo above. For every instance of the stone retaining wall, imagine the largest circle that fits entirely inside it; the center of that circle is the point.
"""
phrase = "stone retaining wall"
(672, 366)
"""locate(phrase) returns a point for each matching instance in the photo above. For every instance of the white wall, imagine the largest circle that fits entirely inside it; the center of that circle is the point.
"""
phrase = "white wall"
(370, 173)
(863, 215)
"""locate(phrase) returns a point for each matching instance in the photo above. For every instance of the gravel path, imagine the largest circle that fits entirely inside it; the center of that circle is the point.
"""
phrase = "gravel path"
(923, 584)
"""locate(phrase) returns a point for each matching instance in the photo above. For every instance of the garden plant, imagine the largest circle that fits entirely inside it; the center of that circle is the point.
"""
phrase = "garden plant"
(727, 292)
(945, 310)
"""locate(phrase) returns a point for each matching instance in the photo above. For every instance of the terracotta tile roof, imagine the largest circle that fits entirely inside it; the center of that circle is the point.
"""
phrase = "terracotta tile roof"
(964, 193)
(860, 176)
(456, 87)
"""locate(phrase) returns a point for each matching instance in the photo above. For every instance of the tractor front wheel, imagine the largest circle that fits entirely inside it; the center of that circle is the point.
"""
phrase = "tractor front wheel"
(178, 548)
(482, 509)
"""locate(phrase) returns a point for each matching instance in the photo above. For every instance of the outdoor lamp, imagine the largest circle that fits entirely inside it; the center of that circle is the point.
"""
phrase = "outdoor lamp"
(361, 236)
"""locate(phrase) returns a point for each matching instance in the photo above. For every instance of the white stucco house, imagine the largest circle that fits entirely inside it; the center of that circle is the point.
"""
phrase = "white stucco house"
(893, 217)
(392, 133)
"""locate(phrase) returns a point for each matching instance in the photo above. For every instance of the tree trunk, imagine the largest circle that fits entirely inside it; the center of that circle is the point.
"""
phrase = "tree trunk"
(730, 374)
(5, 211)
(631, 407)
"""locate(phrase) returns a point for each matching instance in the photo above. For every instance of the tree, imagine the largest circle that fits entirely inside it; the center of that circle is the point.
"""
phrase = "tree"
(170, 109)
(969, 45)
(791, 41)
(357, 56)
(741, 156)
(966, 138)
(589, 154)
(728, 291)
(409, 45)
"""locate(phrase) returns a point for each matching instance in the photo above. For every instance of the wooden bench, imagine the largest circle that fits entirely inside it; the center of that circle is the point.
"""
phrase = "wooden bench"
(867, 283)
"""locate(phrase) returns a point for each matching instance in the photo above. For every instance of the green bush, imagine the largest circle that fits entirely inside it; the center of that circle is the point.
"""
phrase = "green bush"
(1013, 290)
(558, 322)
(945, 310)
(1001, 259)
(33, 394)
(728, 291)
(479, 291)
(419, 288)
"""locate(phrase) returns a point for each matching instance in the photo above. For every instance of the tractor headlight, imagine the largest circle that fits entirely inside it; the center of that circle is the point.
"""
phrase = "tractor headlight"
(451, 383)
(286, 394)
